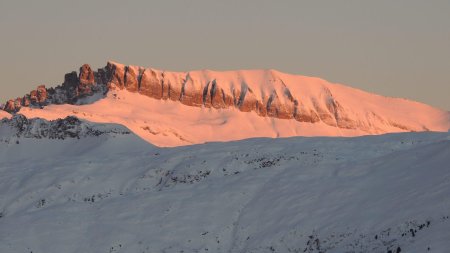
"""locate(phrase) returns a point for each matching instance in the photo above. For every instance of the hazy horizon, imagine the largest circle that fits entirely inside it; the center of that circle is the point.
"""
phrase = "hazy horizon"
(396, 49)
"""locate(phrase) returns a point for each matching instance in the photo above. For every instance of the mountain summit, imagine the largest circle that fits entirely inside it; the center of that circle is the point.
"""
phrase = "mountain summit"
(178, 108)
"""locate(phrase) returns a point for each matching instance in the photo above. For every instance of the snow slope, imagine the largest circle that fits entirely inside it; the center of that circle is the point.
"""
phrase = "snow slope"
(4, 114)
(168, 123)
(117, 193)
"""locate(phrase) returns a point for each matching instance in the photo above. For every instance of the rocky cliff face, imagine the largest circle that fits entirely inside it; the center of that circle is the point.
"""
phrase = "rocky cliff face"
(271, 97)
(194, 90)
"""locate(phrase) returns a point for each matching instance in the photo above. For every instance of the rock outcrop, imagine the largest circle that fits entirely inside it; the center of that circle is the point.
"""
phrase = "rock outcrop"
(86, 81)
(70, 127)
(74, 87)
(10, 106)
(36, 98)
(86, 75)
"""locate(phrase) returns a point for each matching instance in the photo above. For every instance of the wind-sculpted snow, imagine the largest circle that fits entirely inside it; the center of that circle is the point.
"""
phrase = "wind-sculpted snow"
(120, 194)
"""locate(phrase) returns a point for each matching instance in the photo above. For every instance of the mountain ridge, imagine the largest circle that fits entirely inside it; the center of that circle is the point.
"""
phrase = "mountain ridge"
(19, 126)
(268, 94)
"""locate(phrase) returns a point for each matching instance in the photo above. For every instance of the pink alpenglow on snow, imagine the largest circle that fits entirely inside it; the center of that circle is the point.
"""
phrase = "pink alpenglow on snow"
(182, 108)
(4, 114)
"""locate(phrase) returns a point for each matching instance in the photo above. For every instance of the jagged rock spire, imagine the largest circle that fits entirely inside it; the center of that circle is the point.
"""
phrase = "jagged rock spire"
(74, 87)
(86, 75)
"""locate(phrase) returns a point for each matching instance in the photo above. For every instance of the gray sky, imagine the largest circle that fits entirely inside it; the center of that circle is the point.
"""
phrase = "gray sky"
(395, 48)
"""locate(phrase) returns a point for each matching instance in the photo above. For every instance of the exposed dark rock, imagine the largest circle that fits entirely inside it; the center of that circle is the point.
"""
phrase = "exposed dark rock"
(101, 77)
(69, 127)
(71, 80)
(26, 101)
(10, 106)
(72, 89)
(34, 97)
(86, 81)
(41, 95)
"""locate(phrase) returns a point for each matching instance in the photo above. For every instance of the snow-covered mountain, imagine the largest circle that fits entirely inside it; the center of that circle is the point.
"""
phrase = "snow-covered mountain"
(179, 108)
(114, 192)
(84, 166)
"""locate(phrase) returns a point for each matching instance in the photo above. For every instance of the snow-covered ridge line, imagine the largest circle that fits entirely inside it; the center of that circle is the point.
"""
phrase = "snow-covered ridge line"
(70, 127)
(268, 93)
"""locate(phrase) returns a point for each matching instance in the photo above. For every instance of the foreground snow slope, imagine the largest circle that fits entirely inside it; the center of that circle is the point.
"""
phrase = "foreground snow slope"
(117, 193)
(170, 123)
